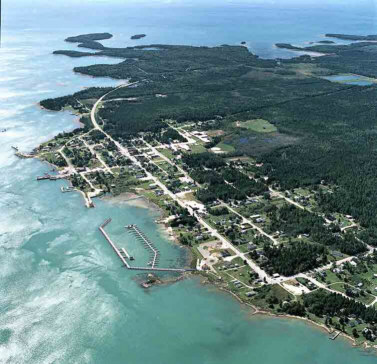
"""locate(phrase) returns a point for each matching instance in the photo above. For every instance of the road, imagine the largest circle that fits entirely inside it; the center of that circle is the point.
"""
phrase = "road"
(226, 244)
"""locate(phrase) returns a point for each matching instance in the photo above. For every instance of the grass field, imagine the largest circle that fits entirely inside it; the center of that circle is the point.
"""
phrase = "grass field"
(258, 125)
(166, 152)
(225, 147)
(198, 148)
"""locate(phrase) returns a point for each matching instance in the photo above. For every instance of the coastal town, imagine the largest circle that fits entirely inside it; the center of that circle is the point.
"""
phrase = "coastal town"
(238, 236)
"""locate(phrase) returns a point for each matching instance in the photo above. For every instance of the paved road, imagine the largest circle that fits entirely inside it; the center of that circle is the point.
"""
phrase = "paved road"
(262, 274)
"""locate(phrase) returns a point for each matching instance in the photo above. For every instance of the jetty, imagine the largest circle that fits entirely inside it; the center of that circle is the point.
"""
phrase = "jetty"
(24, 155)
(124, 255)
(101, 229)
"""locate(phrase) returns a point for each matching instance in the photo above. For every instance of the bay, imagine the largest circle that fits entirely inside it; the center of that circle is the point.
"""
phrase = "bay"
(64, 296)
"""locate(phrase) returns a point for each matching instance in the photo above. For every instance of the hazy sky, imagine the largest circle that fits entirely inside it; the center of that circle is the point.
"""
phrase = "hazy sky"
(302, 3)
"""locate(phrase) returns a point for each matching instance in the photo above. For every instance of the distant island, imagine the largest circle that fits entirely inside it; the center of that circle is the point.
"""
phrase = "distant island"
(265, 169)
(138, 36)
(352, 37)
(89, 37)
(326, 42)
(87, 41)
(288, 46)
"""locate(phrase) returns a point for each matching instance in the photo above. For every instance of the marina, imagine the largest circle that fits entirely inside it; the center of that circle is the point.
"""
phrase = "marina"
(148, 244)
(124, 255)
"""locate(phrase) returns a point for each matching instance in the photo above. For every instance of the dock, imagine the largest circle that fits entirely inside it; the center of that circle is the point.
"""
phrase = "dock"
(124, 255)
(336, 334)
(48, 176)
(148, 244)
(67, 189)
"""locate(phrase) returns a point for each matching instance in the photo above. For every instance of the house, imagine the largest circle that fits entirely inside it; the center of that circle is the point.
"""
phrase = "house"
(250, 294)
(251, 246)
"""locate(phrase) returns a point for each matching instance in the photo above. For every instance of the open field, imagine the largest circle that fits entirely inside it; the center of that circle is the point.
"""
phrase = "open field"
(257, 125)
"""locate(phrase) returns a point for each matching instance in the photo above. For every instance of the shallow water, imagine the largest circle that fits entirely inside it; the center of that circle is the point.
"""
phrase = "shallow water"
(350, 80)
(64, 296)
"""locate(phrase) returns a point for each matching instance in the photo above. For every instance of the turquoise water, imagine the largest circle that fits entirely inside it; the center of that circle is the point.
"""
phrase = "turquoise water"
(64, 297)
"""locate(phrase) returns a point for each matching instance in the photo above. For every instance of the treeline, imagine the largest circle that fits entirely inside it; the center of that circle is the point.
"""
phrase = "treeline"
(203, 160)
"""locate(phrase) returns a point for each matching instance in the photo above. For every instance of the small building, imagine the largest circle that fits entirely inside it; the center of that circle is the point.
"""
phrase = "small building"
(251, 246)
(250, 294)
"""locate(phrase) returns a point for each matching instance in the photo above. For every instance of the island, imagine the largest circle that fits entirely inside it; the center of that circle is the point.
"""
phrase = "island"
(138, 36)
(263, 168)
(352, 37)
(89, 37)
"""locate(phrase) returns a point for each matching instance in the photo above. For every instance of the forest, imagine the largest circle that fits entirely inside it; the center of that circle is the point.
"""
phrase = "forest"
(293, 221)
(322, 303)
(326, 130)
(221, 182)
(293, 259)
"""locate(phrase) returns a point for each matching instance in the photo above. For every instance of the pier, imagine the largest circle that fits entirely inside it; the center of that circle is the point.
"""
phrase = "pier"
(48, 176)
(124, 255)
(333, 337)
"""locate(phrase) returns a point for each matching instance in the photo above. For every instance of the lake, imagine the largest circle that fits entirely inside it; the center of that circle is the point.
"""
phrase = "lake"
(64, 297)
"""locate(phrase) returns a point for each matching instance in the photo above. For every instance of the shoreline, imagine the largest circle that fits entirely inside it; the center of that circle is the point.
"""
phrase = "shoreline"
(204, 280)
(135, 200)
(140, 201)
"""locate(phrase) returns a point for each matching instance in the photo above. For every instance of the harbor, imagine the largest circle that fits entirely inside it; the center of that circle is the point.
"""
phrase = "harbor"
(124, 256)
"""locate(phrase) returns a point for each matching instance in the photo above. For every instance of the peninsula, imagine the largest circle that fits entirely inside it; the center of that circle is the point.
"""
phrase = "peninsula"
(265, 169)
